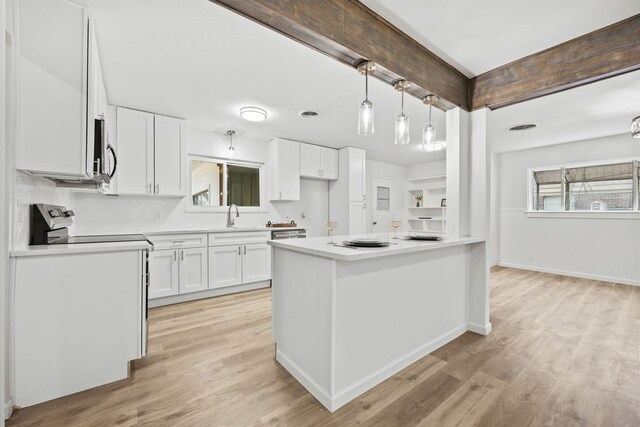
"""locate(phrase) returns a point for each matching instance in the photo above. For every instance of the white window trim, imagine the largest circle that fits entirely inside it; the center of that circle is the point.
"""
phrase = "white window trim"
(224, 209)
(531, 213)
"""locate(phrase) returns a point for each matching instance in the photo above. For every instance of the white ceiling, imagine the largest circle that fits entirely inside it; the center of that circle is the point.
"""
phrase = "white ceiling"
(478, 36)
(197, 60)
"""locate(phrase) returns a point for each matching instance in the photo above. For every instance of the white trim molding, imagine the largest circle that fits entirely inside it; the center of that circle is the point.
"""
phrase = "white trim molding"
(618, 280)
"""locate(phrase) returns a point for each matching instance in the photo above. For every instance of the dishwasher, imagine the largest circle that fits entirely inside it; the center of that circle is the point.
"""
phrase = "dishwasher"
(295, 233)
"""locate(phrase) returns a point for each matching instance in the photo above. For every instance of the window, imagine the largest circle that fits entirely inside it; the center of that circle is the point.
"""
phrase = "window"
(382, 198)
(595, 187)
(221, 183)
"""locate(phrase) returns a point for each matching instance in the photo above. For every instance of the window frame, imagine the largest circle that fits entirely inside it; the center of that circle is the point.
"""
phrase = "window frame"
(225, 162)
(566, 213)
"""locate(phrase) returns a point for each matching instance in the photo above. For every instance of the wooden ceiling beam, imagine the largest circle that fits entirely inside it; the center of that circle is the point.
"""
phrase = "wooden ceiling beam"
(604, 53)
(350, 32)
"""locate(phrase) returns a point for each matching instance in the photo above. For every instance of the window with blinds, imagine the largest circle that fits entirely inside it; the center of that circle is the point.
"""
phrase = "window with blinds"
(595, 187)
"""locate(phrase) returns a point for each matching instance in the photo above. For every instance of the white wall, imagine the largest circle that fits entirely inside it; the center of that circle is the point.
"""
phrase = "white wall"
(427, 169)
(5, 199)
(603, 249)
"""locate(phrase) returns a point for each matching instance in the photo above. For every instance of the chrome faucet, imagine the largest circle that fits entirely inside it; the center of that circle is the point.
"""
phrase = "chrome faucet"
(231, 222)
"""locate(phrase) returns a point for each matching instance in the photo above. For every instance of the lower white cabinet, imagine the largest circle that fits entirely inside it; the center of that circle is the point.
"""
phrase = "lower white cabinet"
(177, 271)
(238, 264)
(163, 266)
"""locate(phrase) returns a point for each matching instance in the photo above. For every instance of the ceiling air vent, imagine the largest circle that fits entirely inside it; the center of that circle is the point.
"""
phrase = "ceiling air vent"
(308, 114)
(520, 128)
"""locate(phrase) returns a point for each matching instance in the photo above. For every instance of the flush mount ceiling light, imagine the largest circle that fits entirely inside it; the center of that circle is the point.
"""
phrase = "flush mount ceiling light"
(231, 147)
(402, 120)
(253, 114)
(635, 128)
(429, 142)
(365, 115)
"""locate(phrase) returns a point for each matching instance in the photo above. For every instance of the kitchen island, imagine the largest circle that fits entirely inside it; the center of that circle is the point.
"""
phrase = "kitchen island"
(346, 319)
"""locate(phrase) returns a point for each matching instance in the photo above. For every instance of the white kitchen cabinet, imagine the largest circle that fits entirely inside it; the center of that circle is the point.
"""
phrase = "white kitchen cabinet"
(178, 264)
(318, 162)
(348, 195)
(284, 170)
(77, 321)
(256, 262)
(60, 88)
(225, 266)
(134, 130)
(151, 154)
(170, 156)
(237, 258)
(193, 270)
(163, 266)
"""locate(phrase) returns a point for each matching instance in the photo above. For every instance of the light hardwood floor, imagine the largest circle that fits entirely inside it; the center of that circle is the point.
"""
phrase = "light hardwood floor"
(563, 352)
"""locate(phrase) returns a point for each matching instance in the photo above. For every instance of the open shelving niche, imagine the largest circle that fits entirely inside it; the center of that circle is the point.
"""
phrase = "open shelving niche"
(433, 189)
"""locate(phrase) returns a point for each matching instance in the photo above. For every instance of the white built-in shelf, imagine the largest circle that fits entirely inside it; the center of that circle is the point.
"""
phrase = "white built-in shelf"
(426, 231)
(427, 178)
(427, 219)
(427, 207)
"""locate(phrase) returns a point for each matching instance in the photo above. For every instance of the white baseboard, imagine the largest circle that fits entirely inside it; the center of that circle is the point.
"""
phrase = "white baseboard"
(580, 275)
(480, 329)
(306, 381)
(348, 394)
(175, 299)
(8, 409)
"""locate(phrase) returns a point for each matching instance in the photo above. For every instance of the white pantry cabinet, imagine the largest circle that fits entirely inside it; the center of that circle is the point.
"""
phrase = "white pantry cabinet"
(238, 258)
(318, 162)
(348, 195)
(284, 169)
(152, 154)
(61, 91)
(178, 266)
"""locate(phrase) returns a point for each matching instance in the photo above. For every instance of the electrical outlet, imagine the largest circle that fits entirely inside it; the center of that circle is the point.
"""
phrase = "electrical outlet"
(531, 258)
(158, 216)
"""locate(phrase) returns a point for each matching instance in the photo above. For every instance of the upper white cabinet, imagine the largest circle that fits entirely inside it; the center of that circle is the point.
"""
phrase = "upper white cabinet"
(284, 169)
(60, 89)
(347, 195)
(318, 162)
(151, 154)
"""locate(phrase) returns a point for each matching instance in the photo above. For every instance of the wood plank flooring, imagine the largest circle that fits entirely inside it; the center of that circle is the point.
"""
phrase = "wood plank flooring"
(563, 352)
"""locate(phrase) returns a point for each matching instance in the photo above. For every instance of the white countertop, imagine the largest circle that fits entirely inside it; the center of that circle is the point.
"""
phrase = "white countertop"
(79, 248)
(318, 246)
(218, 230)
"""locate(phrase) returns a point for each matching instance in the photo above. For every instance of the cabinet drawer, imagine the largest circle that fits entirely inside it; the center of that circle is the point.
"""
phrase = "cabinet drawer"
(173, 241)
(237, 238)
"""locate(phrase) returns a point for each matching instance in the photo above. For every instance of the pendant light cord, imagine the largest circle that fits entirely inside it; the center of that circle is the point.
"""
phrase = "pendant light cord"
(366, 84)
(402, 101)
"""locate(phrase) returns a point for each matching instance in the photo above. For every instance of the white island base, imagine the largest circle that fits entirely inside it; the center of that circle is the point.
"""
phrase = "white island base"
(344, 320)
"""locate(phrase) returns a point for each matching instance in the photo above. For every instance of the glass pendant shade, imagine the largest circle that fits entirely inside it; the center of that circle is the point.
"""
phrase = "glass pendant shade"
(365, 118)
(635, 128)
(402, 129)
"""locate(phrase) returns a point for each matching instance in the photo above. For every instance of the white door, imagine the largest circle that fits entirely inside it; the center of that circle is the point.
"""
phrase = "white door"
(225, 266)
(135, 151)
(329, 166)
(193, 270)
(163, 267)
(170, 146)
(357, 218)
(289, 164)
(383, 205)
(310, 164)
(256, 263)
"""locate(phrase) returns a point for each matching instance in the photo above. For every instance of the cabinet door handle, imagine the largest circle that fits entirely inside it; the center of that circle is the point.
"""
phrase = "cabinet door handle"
(157, 188)
(175, 255)
(149, 188)
(181, 255)
(279, 194)
(245, 250)
(239, 250)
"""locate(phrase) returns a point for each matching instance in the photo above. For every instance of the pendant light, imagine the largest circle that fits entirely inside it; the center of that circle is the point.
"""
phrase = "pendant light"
(366, 113)
(429, 142)
(231, 147)
(635, 128)
(402, 120)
